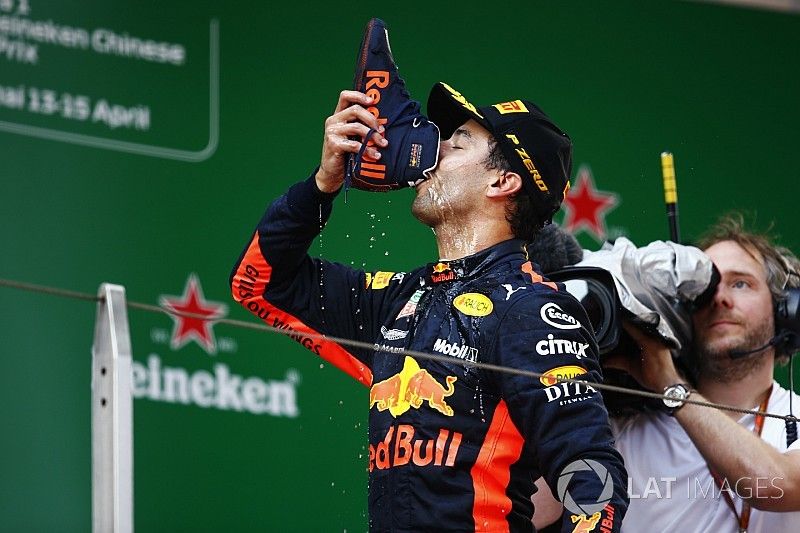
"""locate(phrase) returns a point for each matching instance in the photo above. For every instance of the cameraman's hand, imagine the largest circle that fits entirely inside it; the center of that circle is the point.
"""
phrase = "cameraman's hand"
(654, 369)
(350, 118)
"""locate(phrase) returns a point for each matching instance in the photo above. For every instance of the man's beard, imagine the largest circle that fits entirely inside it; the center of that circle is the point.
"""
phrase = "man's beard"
(716, 363)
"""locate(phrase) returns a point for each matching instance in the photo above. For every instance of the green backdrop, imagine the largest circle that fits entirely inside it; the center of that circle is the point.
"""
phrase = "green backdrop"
(140, 142)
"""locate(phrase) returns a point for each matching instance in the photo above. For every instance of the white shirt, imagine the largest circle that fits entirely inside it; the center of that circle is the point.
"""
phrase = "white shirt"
(670, 486)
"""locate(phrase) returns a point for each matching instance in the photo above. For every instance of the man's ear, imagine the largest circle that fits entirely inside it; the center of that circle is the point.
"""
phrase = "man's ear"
(504, 184)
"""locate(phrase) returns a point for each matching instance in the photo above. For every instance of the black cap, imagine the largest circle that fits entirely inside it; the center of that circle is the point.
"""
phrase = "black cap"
(535, 148)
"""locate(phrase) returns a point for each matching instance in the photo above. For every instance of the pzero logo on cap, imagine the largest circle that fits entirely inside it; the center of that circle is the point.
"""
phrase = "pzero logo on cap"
(458, 97)
(473, 304)
(511, 107)
(528, 162)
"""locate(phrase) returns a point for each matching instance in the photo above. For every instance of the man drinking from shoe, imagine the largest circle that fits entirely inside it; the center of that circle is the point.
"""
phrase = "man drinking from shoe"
(453, 445)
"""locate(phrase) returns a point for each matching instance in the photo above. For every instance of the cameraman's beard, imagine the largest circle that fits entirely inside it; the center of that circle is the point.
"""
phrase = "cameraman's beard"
(715, 362)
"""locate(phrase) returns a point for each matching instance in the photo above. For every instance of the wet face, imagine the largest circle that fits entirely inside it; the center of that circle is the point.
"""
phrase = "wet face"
(739, 317)
(456, 186)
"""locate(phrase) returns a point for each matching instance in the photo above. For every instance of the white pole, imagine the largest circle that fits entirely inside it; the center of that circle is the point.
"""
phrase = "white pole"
(112, 415)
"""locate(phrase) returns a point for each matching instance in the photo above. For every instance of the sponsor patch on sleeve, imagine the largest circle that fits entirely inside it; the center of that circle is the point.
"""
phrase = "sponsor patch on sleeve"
(552, 314)
(560, 373)
(381, 280)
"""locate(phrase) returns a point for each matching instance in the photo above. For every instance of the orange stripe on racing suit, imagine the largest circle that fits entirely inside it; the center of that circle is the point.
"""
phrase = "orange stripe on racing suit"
(491, 472)
(527, 267)
(249, 282)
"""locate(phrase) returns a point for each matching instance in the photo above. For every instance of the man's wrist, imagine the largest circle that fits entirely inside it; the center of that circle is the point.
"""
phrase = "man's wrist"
(676, 394)
(668, 379)
(324, 184)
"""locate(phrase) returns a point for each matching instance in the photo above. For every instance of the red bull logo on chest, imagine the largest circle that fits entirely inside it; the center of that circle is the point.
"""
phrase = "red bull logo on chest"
(402, 446)
(442, 272)
(410, 388)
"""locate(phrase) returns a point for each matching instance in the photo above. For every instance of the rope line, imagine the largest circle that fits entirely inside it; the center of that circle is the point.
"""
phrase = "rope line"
(55, 291)
(32, 287)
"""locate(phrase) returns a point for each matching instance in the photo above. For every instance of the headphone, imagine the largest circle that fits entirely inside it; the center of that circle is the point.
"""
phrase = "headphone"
(787, 312)
(787, 324)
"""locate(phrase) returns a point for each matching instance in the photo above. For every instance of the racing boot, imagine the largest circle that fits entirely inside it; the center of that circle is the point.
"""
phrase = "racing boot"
(413, 148)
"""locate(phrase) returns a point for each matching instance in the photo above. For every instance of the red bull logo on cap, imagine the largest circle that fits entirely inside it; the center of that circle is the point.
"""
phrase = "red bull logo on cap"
(410, 388)
(458, 97)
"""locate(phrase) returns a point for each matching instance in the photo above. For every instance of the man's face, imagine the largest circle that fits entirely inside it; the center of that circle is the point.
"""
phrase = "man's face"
(739, 317)
(456, 185)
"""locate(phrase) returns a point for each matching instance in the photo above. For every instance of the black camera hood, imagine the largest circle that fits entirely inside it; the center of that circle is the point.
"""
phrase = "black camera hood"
(594, 288)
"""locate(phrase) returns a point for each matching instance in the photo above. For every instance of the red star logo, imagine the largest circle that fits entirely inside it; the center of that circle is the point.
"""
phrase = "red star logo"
(198, 326)
(586, 207)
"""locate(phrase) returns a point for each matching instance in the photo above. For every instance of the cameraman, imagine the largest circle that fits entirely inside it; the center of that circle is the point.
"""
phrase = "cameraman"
(702, 469)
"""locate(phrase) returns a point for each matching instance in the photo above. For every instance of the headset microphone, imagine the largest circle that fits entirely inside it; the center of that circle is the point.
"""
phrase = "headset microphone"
(774, 341)
(787, 323)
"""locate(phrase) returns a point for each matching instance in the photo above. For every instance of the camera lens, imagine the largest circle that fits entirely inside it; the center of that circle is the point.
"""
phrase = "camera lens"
(597, 300)
(594, 289)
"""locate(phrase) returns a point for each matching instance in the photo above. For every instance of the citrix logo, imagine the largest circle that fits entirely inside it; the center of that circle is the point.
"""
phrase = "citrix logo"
(553, 346)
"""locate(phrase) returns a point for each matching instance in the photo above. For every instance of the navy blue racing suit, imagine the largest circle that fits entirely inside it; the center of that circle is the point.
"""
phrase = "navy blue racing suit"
(452, 447)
